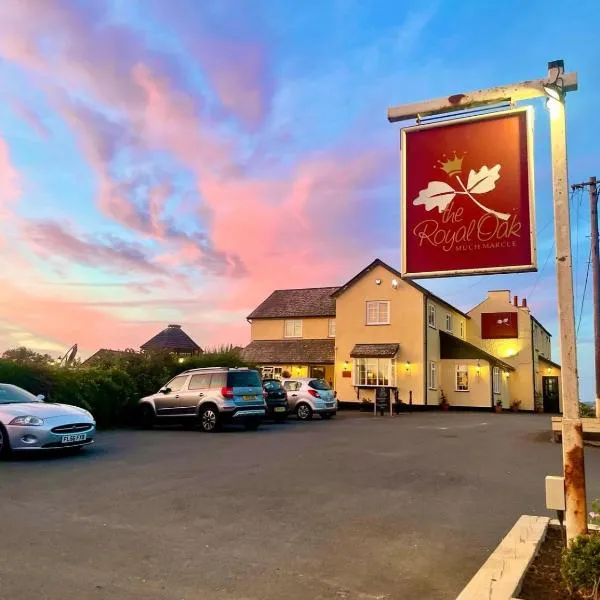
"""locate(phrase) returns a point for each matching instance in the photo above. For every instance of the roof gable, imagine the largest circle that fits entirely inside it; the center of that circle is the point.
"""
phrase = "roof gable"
(307, 302)
(379, 263)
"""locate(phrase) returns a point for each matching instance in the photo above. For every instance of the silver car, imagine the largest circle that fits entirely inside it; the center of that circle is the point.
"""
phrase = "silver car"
(210, 396)
(308, 395)
(28, 423)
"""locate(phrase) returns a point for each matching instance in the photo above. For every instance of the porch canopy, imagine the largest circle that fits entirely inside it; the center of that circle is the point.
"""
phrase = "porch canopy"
(374, 350)
(290, 352)
(453, 347)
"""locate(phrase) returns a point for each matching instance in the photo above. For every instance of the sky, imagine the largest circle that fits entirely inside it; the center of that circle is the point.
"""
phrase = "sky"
(175, 161)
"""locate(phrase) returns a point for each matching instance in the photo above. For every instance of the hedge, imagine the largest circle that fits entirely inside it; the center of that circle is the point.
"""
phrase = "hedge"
(111, 389)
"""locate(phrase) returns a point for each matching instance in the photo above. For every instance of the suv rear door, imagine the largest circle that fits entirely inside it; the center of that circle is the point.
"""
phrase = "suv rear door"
(246, 386)
(197, 389)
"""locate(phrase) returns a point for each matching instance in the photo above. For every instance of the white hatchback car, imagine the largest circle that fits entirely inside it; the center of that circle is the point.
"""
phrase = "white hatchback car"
(308, 396)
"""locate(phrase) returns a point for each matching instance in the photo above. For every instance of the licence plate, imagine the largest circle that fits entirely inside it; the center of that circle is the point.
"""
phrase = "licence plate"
(279, 409)
(329, 404)
(249, 398)
(75, 437)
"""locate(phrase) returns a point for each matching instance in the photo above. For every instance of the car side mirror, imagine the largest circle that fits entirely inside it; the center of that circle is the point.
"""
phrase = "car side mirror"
(166, 390)
(40, 397)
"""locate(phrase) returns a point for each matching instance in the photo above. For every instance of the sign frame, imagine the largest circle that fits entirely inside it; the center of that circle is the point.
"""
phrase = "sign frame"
(532, 266)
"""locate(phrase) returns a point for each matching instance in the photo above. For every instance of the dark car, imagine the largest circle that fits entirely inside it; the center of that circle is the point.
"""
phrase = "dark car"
(276, 399)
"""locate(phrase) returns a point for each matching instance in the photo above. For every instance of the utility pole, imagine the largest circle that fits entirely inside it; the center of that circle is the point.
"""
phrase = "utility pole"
(595, 258)
(554, 87)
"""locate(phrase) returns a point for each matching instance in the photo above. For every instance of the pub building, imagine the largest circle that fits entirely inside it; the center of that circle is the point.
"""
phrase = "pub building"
(379, 330)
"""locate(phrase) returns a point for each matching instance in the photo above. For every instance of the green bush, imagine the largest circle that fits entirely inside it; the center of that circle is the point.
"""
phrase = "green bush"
(580, 566)
(587, 410)
(111, 388)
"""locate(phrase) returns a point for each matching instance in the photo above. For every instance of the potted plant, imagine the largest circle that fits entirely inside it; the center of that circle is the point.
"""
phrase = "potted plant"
(444, 404)
(515, 405)
(286, 374)
(498, 406)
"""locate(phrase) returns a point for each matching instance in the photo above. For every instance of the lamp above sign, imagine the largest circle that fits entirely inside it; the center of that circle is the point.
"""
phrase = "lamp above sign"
(468, 196)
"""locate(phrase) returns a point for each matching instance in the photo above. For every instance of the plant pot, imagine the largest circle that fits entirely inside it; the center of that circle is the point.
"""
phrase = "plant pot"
(445, 407)
(498, 409)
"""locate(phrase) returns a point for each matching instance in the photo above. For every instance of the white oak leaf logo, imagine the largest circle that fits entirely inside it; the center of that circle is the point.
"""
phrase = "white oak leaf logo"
(437, 195)
(483, 180)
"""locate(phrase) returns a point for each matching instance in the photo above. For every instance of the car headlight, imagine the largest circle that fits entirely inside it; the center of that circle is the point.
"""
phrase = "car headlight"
(28, 420)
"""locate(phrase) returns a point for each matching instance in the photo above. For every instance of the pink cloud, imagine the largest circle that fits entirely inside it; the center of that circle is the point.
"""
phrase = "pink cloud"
(10, 185)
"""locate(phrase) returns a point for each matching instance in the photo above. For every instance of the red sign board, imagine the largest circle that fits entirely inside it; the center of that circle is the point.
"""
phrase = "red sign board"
(467, 196)
(499, 325)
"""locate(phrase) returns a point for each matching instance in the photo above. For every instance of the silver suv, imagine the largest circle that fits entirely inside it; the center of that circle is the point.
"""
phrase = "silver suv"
(307, 396)
(211, 397)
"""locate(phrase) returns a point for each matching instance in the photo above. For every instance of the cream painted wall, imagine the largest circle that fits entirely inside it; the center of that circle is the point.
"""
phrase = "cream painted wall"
(433, 339)
(517, 352)
(480, 386)
(313, 328)
(405, 328)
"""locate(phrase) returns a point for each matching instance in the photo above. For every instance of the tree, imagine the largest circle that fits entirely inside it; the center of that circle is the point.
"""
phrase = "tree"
(24, 355)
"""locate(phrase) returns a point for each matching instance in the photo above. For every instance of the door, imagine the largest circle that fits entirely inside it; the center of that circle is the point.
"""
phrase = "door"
(550, 394)
(190, 396)
(168, 401)
(292, 388)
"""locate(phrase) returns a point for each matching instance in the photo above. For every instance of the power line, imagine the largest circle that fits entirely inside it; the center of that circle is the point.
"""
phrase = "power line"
(584, 289)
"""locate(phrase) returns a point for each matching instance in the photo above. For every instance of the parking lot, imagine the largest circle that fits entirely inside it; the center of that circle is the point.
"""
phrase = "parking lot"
(356, 508)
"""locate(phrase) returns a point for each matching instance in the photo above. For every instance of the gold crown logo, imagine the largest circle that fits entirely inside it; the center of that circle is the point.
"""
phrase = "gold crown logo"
(452, 166)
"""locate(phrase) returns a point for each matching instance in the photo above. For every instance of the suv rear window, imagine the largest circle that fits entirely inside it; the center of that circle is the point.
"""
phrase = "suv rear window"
(243, 379)
(272, 385)
(318, 384)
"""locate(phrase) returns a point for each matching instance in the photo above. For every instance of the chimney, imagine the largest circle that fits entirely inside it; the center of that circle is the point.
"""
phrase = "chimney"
(516, 300)
(524, 303)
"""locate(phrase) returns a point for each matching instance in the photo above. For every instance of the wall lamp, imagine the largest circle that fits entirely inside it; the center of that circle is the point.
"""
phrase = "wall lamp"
(478, 368)
(407, 366)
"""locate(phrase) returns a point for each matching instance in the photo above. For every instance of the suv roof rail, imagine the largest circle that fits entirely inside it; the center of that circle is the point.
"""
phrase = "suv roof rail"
(223, 369)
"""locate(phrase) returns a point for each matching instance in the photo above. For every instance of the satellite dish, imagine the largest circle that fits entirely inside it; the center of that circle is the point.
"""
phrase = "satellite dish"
(69, 356)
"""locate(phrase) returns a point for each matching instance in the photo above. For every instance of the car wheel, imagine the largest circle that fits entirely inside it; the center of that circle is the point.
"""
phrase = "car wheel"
(146, 417)
(304, 412)
(209, 419)
(252, 425)
(4, 443)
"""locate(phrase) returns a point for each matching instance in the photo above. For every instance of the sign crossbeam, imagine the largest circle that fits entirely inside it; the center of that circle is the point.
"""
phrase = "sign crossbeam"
(526, 90)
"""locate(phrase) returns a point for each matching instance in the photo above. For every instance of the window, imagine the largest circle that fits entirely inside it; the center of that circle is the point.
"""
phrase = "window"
(432, 376)
(378, 312)
(496, 380)
(176, 384)
(331, 327)
(431, 315)
(375, 371)
(462, 378)
(200, 381)
(271, 372)
(318, 384)
(293, 328)
(291, 386)
(462, 330)
(243, 379)
(449, 323)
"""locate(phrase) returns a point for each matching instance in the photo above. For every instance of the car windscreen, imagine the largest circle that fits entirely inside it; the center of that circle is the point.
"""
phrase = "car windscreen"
(318, 384)
(272, 385)
(11, 394)
(243, 379)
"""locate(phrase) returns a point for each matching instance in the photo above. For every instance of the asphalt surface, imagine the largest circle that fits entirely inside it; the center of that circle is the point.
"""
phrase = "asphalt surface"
(357, 508)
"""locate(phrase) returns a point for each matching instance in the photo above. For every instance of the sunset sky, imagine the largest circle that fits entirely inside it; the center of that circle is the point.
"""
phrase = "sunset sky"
(175, 161)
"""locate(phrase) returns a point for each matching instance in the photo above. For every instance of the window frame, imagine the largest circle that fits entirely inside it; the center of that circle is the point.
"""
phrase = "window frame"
(461, 368)
(462, 329)
(496, 381)
(432, 380)
(181, 387)
(379, 303)
(390, 372)
(449, 322)
(294, 323)
(330, 328)
(431, 311)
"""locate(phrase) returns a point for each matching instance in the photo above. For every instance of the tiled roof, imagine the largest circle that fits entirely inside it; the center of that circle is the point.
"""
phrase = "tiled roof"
(453, 347)
(286, 352)
(374, 350)
(102, 356)
(172, 338)
(308, 302)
